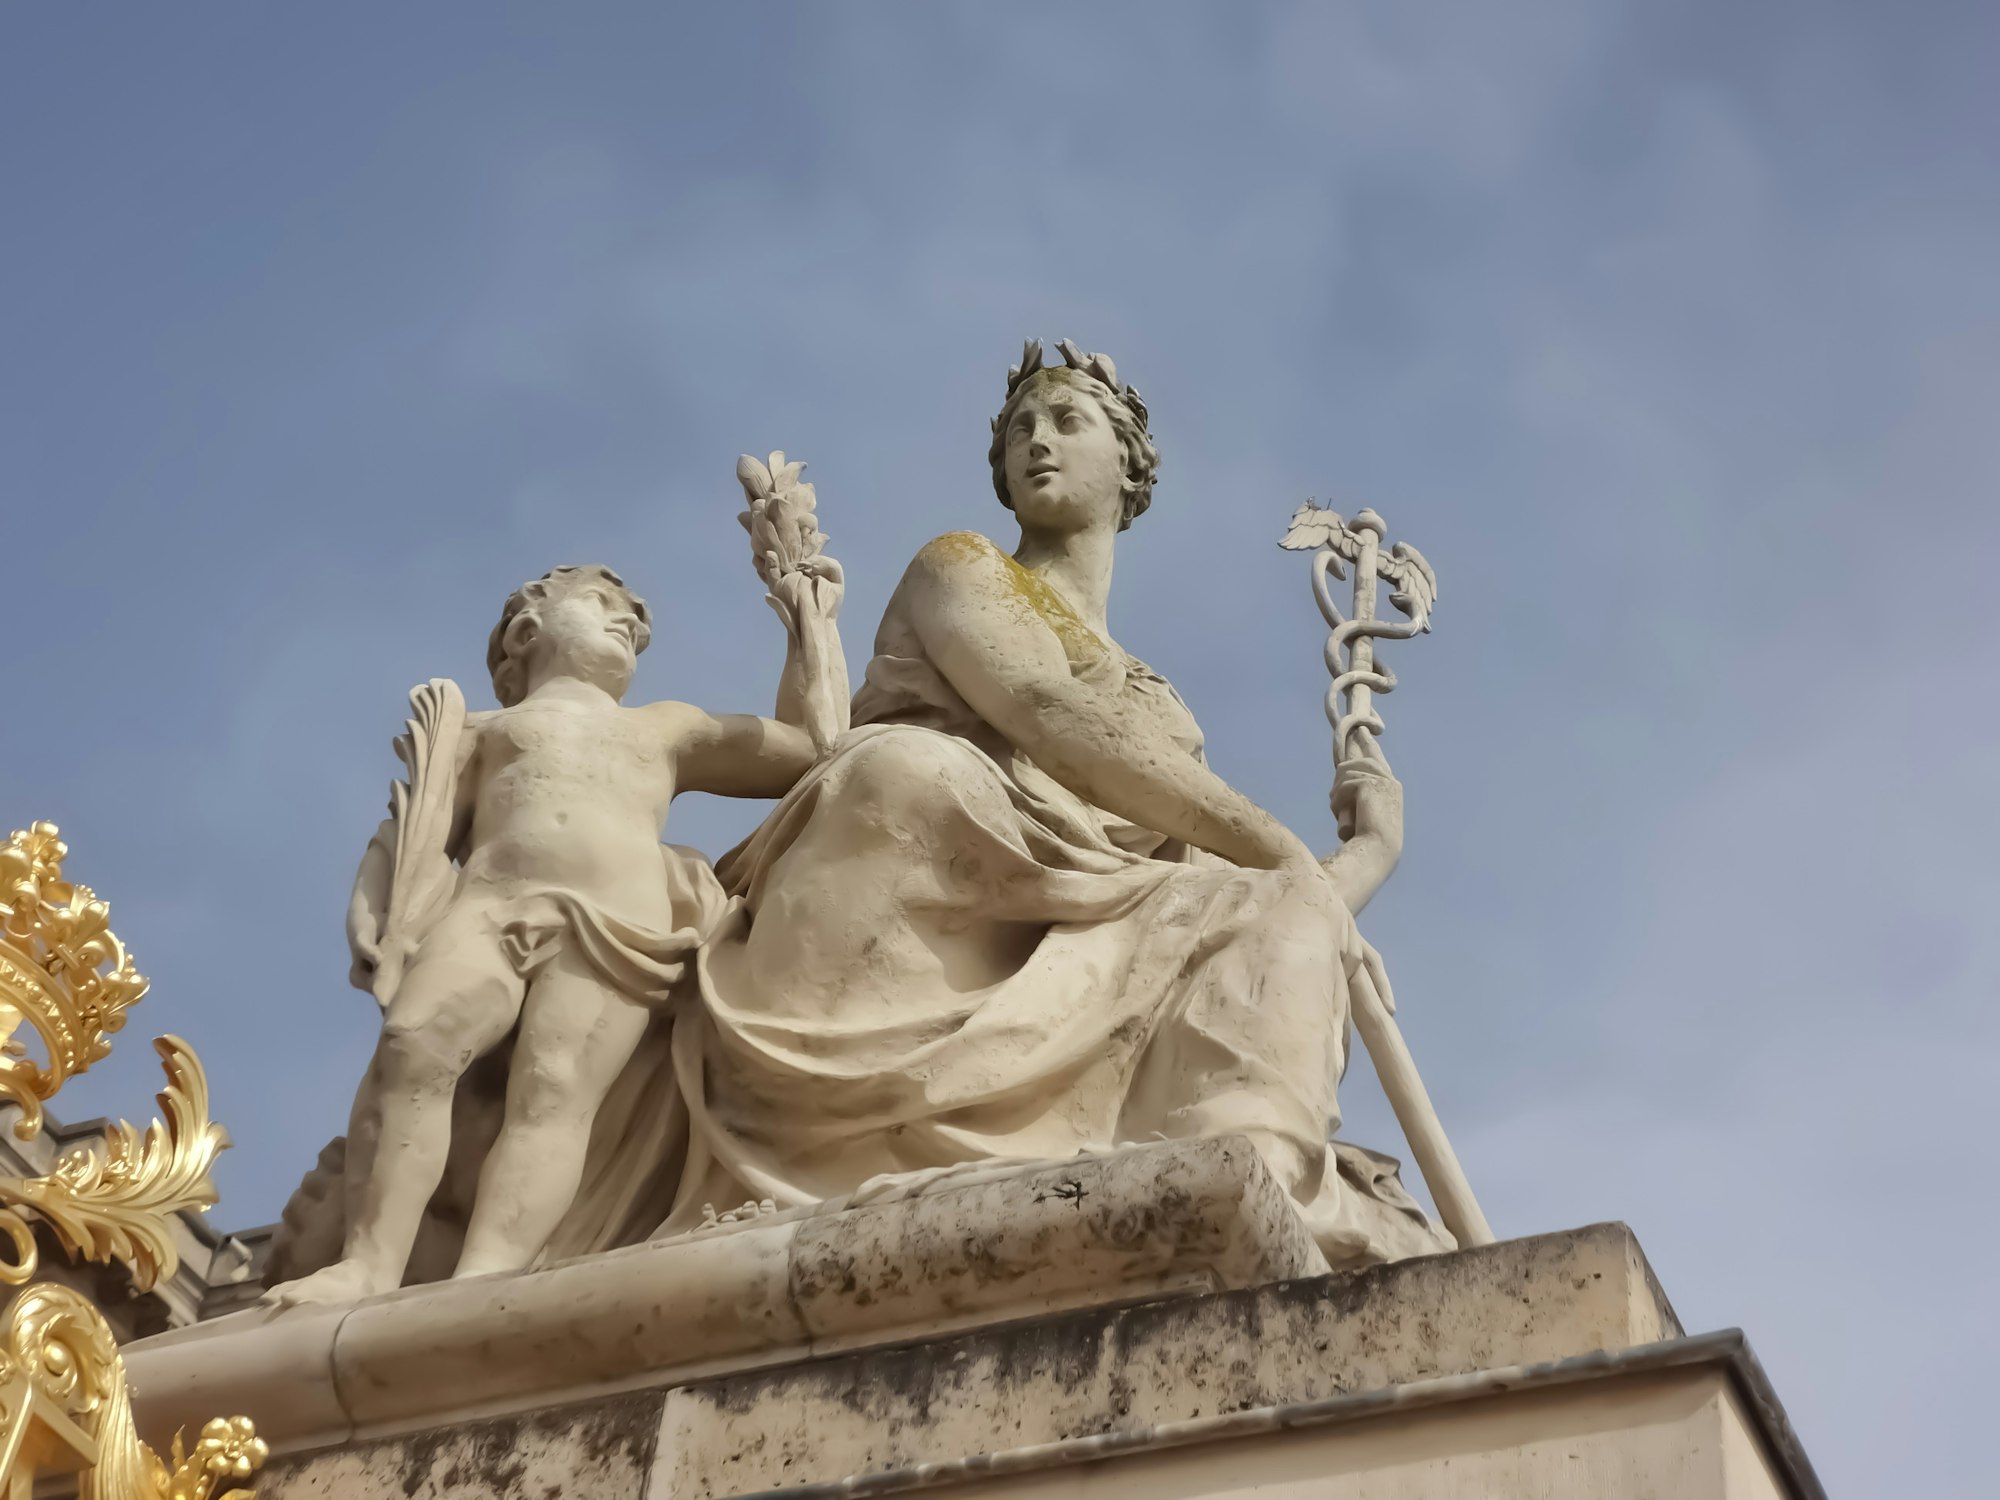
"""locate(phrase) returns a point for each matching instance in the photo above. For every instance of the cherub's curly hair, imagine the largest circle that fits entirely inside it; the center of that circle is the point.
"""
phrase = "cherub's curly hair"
(503, 659)
(1096, 376)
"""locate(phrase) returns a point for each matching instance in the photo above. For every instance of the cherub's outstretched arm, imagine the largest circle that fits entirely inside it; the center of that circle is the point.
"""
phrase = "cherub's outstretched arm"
(736, 755)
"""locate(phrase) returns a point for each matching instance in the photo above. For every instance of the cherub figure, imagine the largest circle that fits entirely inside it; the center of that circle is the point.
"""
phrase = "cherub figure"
(559, 918)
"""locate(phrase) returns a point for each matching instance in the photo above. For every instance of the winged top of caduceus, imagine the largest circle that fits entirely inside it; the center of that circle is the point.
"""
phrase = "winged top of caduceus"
(1350, 648)
(1413, 580)
(1350, 709)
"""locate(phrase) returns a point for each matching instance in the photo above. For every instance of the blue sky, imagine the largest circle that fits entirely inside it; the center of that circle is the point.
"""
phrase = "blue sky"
(1669, 332)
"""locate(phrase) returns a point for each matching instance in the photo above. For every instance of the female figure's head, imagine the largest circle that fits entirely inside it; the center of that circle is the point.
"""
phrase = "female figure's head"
(1070, 447)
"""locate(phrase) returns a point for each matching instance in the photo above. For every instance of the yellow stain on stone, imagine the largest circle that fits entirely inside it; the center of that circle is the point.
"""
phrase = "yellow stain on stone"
(1080, 643)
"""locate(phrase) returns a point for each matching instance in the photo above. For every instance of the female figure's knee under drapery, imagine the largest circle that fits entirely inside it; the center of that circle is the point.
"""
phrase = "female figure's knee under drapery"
(1118, 998)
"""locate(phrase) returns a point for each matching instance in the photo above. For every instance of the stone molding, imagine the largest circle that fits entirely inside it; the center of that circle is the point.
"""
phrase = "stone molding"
(1726, 1352)
(970, 1249)
(1560, 1333)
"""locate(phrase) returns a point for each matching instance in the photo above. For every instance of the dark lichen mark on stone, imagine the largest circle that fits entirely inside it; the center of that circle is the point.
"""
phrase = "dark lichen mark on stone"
(1070, 1190)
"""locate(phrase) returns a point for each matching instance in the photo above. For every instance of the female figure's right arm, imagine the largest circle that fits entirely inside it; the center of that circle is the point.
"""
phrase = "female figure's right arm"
(1002, 658)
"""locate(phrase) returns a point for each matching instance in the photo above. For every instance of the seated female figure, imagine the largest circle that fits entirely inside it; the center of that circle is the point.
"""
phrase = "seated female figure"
(1015, 915)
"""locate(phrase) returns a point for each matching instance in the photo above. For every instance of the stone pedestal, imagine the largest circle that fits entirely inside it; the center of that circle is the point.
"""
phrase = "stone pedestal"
(1156, 1322)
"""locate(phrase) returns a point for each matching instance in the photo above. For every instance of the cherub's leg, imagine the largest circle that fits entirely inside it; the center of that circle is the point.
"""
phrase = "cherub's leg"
(577, 1035)
(459, 999)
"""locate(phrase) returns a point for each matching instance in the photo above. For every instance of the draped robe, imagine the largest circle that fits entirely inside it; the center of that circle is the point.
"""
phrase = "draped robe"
(1129, 989)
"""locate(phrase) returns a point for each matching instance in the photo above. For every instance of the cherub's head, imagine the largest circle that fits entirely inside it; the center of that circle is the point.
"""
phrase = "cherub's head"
(570, 622)
(1070, 446)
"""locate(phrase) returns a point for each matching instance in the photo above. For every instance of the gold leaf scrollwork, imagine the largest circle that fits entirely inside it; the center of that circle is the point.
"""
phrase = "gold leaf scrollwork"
(57, 1366)
(115, 1200)
(62, 1386)
(64, 1404)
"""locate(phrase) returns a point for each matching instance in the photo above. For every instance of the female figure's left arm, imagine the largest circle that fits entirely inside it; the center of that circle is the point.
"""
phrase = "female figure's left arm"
(1368, 808)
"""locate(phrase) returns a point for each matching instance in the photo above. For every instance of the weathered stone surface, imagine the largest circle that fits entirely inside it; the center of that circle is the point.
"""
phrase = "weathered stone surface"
(1551, 1366)
(990, 1247)
(1193, 1216)
(1677, 1435)
(966, 936)
(529, 1340)
(1178, 1359)
(602, 1451)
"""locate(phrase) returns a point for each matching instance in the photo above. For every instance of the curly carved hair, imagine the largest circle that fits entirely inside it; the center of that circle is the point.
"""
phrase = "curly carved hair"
(1096, 376)
(503, 655)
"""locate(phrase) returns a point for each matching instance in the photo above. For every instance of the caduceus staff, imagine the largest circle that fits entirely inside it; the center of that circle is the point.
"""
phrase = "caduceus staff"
(1350, 709)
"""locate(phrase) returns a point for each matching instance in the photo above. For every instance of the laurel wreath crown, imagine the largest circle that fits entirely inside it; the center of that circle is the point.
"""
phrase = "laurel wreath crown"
(1098, 367)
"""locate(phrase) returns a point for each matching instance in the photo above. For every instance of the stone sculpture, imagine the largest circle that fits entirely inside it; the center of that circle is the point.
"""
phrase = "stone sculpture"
(567, 922)
(1009, 916)
(975, 1112)
(1057, 930)
(1350, 711)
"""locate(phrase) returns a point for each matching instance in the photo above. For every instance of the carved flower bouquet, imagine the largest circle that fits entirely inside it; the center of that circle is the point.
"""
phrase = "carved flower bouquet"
(784, 530)
(805, 588)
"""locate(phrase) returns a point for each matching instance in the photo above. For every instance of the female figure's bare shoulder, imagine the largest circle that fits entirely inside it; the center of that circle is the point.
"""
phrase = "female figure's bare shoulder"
(963, 565)
(959, 555)
(958, 572)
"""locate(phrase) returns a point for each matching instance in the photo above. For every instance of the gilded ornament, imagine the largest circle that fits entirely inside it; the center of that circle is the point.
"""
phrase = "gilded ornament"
(64, 1404)
(115, 1200)
(62, 971)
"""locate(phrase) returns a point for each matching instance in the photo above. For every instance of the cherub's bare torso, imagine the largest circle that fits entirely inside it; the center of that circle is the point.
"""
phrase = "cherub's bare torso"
(573, 795)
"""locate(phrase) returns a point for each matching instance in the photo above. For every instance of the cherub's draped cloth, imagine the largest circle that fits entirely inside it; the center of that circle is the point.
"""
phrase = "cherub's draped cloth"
(638, 1142)
(1149, 994)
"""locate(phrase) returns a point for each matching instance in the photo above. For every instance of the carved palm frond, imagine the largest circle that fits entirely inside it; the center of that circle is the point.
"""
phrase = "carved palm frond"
(421, 879)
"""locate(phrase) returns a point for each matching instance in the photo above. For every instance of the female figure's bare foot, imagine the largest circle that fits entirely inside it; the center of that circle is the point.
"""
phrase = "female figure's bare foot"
(343, 1281)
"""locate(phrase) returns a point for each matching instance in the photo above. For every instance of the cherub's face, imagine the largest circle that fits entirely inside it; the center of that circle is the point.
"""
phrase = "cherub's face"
(590, 630)
(1065, 462)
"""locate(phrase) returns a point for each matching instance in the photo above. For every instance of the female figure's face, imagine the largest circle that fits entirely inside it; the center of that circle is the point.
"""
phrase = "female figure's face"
(1065, 461)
